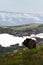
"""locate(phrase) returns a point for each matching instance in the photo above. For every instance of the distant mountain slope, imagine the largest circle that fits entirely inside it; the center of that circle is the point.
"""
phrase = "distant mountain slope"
(22, 30)
(15, 18)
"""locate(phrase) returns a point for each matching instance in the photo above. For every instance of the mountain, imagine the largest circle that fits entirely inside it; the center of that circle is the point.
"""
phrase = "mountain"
(16, 18)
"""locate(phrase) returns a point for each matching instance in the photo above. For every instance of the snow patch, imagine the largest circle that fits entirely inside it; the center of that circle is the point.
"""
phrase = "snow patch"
(7, 39)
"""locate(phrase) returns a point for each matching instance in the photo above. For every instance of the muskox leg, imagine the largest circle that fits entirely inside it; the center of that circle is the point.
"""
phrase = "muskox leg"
(34, 45)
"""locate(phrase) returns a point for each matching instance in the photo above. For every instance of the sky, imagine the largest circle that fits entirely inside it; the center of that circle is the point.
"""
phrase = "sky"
(25, 6)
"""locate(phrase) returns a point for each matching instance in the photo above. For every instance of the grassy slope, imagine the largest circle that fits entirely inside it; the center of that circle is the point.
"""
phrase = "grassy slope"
(23, 57)
(21, 27)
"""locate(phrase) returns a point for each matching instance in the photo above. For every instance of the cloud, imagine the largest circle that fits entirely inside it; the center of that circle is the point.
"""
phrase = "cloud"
(36, 18)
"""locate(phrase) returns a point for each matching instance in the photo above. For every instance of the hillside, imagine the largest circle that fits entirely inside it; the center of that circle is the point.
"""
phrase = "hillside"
(23, 57)
(22, 29)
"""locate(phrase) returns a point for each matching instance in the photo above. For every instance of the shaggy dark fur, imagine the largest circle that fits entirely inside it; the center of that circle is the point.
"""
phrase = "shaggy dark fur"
(29, 43)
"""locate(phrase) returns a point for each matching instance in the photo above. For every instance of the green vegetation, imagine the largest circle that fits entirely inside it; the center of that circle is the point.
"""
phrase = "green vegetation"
(22, 29)
(23, 57)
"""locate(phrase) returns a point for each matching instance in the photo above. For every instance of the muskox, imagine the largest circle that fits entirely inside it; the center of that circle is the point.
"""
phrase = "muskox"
(30, 43)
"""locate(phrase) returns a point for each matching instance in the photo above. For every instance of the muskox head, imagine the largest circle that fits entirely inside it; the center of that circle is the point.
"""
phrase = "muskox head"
(29, 43)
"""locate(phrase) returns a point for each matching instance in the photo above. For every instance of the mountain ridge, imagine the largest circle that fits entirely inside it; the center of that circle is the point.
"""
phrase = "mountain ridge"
(16, 18)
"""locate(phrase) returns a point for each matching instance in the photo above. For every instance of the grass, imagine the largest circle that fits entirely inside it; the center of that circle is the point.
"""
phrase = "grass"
(22, 27)
(23, 57)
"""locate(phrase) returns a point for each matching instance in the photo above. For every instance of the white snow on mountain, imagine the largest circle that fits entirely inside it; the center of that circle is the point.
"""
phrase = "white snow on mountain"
(7, 39)
(40, 35)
